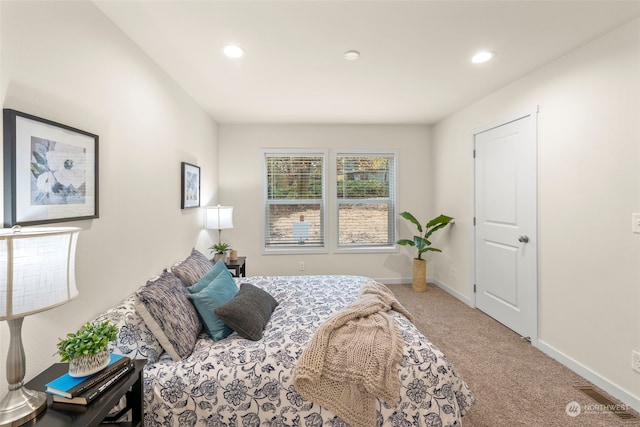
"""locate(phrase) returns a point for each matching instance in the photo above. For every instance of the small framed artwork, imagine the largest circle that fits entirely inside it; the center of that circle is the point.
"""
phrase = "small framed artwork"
(50, 171)
(190, 186)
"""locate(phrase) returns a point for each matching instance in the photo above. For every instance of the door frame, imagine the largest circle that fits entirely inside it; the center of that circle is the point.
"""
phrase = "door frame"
(533, 112)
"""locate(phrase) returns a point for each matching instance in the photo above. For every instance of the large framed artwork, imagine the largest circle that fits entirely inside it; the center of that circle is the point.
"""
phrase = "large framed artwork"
(190, 186)
(50, 171)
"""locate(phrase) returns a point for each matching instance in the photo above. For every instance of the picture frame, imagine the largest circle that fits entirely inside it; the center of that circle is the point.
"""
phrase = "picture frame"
(190, 183)
(50, 171)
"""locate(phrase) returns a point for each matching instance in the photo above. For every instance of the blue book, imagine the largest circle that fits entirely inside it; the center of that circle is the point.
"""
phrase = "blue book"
(69, 387)
(94, 392)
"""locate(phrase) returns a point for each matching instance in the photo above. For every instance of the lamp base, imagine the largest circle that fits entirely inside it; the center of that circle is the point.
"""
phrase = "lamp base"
(20, 406)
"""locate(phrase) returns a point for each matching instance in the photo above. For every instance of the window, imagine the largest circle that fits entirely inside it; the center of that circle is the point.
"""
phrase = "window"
(365, 199)
(294, 201)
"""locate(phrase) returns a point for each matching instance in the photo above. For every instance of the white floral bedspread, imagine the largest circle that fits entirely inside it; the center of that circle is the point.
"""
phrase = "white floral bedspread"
(236, 382)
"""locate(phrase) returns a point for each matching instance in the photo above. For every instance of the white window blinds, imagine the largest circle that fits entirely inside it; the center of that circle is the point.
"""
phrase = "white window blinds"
(294, 200)
(365, 199)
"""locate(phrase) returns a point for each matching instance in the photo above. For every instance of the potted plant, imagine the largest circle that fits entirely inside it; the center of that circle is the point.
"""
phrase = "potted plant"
(86, 350)
(219, 249)
(422, 243)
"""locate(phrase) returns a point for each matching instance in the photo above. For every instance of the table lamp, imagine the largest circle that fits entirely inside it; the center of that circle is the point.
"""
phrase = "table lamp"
(37, 273)
(218, 218)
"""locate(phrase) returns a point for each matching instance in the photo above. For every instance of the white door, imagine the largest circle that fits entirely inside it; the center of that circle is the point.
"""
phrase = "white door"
(505, 232)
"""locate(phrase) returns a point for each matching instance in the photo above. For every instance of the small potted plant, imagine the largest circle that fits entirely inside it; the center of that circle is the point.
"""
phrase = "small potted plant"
(87, 349)
(219, 249)
(422, 243)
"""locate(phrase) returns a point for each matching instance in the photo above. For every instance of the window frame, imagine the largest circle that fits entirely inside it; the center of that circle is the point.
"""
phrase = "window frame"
(393, 221)
(292, 249)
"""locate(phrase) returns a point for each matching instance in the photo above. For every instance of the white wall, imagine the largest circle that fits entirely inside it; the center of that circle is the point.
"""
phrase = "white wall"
(588, 186)
(241, 186)
(65, 61)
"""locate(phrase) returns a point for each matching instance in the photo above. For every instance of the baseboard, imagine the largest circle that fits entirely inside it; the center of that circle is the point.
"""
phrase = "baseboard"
(607, 386)
(407, 280)
(465, 299)
(392, 281)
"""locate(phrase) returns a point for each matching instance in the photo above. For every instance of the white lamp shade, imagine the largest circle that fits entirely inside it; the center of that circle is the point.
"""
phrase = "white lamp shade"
(37, 269)
(218, 217)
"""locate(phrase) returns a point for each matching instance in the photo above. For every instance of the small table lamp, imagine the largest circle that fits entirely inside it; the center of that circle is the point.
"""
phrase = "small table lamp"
(37, 272)
(218, 218)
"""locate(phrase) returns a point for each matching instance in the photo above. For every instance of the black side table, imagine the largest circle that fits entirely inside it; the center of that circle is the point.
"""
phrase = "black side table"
(238, 266)
(93, 413)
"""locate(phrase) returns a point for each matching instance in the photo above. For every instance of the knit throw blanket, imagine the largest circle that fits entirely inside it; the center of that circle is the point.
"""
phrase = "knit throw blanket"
(353, 358)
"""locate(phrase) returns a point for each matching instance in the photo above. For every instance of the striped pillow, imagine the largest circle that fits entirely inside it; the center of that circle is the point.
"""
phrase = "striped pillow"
(192, 268)
(164, 306)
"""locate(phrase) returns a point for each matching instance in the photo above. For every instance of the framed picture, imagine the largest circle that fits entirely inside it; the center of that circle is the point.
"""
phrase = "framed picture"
(50, 171)
(190, 186)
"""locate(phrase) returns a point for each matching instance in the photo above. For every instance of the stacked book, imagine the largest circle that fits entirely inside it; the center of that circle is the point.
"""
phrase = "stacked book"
(83, 390)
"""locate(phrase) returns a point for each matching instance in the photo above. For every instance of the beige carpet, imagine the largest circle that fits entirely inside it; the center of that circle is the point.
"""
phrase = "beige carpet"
(514, 383)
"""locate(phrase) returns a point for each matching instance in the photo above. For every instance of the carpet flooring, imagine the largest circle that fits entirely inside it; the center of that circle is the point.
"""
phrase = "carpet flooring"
(515, 384)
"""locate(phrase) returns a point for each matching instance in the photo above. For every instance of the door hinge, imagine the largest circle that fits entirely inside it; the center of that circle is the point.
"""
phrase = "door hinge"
(474, 221)
(474, 288)
(474, 154)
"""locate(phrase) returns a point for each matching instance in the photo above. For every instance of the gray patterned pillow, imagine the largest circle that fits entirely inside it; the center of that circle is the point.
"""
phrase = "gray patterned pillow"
(192, 268)
(248, 312)
(134, 338)
(171, 317)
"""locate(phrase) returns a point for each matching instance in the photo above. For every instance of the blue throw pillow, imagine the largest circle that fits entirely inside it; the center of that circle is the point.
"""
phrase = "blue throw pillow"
(204, 281)
(220, 291)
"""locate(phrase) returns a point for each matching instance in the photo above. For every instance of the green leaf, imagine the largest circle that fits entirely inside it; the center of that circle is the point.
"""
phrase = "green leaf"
(412, 219)
(420, 242)
(437, 223)
(405, 242)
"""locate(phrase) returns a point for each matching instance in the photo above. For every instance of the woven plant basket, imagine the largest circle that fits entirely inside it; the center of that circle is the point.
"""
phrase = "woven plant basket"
(419, 275)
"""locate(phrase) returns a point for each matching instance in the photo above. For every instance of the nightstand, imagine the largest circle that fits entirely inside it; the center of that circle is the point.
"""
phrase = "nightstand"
(238, 266)
(93, 413)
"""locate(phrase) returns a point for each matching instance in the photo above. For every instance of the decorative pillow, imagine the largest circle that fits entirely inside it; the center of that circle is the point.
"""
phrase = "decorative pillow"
(165, 307)
(204, 281)
(249, 312)
(219, 291)
(134, 338)
(192, 268)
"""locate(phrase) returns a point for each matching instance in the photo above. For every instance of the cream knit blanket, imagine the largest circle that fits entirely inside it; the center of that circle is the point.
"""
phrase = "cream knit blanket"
(353, 358)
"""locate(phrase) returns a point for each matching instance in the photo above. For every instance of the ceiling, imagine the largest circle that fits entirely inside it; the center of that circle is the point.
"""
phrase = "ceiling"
(415, 55)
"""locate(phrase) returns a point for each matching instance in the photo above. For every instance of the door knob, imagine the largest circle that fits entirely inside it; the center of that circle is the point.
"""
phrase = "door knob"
(523, 239)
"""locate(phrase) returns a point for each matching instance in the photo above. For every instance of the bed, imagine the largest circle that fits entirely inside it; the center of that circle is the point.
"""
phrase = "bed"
(239, 382)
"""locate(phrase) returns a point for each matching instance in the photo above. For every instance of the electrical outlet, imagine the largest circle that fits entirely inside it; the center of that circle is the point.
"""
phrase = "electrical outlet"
(635, 361)
(301, 266)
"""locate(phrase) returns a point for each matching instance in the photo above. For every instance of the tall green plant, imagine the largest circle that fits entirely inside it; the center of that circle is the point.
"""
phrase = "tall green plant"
(421, 241)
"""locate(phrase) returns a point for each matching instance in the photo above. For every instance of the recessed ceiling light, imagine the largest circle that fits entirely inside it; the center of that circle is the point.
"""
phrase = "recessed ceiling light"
(351, 55)
(233, 51)
(483, 56)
